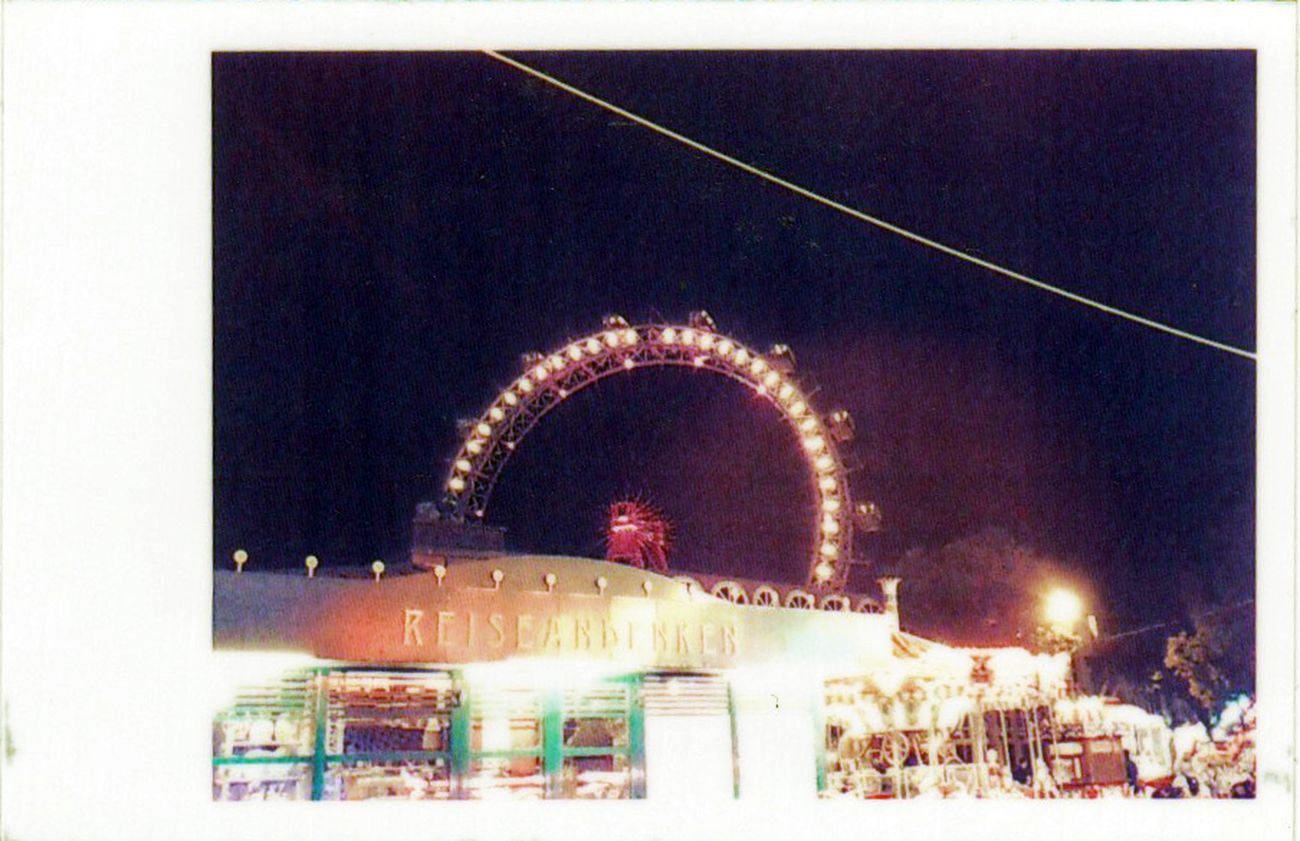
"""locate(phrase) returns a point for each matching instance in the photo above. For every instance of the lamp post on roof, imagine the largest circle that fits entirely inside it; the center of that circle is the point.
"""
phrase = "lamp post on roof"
(889, 586)
(1062, 612)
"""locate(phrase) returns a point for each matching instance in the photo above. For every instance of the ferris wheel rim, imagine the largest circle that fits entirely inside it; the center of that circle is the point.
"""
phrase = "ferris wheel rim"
(549, 379)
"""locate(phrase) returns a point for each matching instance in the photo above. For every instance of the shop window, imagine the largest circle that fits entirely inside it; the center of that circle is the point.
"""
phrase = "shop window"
(506, 745)
(365, 779)
(596, 749)
(603, 777)
(515, 778)
(517, 732)
(261, 781)
(265, 722)
(593, 733)
(388, 735)
(263, 744)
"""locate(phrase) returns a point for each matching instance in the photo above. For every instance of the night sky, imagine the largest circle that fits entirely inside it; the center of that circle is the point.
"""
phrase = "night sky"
(392, 232)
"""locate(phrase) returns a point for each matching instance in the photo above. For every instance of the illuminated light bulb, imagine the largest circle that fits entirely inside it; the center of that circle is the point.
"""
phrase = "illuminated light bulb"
(829, 526)
(829, 550)
(760, 390)
(772, 379)
(830, 506)
(510, 445)
(798, 409)
(496, 413)
(629, 364)
(826, 483)
(593, 346)
(823, 462)
(510, 398)
(742, 356)
(758, 367)
(786, 392)
(699, 361)
(630, 337)
(669, 335)
(807, 425)
(474, 447)
(564, 392)
(725, 347)
(611, 338)
(540, 373)
(706, 341)
(688, 337)
(823, 571)
(556, 362)
(575, 352)
(1063, 608)
(483, 429)
(525, 385)
(456, 484)
(462, 464)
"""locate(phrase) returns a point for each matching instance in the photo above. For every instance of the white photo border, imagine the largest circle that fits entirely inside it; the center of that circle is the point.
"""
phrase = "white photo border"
(107, 408)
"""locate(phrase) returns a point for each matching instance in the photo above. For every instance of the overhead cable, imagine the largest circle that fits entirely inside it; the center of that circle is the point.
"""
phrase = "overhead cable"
(869, 219)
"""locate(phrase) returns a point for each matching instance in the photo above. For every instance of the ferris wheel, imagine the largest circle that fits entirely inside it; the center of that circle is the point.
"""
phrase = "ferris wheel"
(548, 379)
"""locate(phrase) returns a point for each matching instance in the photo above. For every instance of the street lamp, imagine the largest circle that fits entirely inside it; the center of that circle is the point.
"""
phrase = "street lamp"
(1063, 610)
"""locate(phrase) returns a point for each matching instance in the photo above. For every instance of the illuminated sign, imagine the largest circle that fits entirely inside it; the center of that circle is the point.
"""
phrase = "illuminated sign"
(447, 631)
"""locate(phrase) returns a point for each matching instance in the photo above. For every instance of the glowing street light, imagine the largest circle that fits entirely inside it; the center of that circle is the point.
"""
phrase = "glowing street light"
(1063, 609)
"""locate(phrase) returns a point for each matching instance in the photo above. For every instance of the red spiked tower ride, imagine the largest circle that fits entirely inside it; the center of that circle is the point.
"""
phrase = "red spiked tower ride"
(637, 535)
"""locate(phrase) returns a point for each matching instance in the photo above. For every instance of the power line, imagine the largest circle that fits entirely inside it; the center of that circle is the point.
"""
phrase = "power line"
(864, 217)
(1158, 625)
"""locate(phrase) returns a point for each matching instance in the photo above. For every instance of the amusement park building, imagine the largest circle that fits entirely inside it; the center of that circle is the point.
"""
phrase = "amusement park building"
(557, 677)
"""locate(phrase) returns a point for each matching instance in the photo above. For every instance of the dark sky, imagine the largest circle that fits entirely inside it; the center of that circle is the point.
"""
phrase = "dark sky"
(392, 231)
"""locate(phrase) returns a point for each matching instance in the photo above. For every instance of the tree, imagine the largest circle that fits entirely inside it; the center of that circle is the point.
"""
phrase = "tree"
(1056, 641)
(985, 589)
(1216, 661)
(1152, 692)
